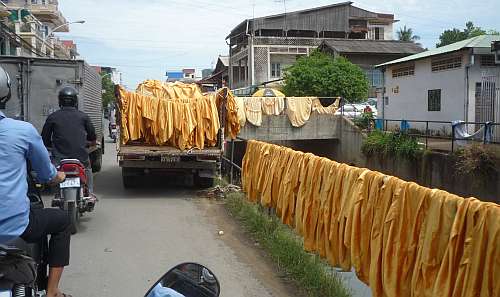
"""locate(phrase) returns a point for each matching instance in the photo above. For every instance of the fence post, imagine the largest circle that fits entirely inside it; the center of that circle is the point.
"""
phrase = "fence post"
(232, 162)
(485, 136)
(452, 138)
(426, 134)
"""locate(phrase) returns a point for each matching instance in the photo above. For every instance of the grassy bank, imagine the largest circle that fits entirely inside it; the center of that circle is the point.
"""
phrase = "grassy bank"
(286, 249)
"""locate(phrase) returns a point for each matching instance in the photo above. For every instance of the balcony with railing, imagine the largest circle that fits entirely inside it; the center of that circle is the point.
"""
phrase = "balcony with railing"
(50, 13)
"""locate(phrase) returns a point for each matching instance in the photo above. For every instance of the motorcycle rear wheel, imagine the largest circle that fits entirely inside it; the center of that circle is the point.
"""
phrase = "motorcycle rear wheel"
(73, 211)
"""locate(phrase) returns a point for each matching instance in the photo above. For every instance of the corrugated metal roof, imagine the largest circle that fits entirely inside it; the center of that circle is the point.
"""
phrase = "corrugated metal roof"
(372, 46)
(483, 41)
(224, 60)
(175, 74)
(333, 17)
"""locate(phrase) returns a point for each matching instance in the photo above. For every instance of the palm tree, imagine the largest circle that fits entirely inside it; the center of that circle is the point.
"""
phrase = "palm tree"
(406, 34)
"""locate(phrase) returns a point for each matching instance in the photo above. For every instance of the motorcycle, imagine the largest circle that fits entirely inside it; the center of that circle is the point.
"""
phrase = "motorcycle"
(113, 132)
(186, 280)
(73, 195)
(24, 266)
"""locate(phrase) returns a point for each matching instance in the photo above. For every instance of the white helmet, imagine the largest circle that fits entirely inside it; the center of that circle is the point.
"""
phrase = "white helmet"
(4, 88)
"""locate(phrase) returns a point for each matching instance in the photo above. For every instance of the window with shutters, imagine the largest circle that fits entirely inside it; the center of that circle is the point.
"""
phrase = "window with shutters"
(487, 60)
(403, 71)
(447, 63)
(434, 100)
(275, 70)
(379, 33)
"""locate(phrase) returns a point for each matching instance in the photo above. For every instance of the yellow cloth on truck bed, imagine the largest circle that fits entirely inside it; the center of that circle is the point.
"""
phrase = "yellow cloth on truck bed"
(298, 110)
(177, 91)
(174, 119)
(402, 239)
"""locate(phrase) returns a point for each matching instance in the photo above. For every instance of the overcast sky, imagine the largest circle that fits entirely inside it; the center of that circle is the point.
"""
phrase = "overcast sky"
(145, 38)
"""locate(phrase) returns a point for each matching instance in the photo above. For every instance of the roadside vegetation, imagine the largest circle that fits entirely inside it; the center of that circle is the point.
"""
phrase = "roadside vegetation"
(311, 273)
(478, 161)
(389, 144)
(322, 75)
(365, 121)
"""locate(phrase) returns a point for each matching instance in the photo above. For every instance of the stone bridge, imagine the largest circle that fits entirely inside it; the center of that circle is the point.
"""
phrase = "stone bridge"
(279, 128)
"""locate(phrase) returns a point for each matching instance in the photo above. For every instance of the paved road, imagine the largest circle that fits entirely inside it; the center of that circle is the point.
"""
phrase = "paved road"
(133, 237)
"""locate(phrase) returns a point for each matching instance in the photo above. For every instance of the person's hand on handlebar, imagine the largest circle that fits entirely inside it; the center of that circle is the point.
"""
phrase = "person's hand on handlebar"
(91, 143)
(59, 178)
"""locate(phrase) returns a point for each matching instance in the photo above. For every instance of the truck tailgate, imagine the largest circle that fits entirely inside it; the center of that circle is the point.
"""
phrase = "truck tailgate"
(157, 151)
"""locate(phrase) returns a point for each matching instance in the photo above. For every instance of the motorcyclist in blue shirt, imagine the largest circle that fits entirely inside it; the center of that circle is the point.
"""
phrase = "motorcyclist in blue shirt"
(21, 143)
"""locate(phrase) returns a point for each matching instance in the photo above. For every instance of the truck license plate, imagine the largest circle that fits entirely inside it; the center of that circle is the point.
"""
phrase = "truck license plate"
(70, 183)
(170, 159)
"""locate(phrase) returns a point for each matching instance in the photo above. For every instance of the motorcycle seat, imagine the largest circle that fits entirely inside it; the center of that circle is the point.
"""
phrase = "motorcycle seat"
(16, 246)
(71, 161)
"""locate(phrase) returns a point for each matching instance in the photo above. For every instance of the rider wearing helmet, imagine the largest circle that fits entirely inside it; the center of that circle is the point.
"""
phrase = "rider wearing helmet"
(68, 130)
(20, 143)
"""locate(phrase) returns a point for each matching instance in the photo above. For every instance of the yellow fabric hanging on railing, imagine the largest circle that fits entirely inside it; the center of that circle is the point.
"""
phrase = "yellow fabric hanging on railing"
(319, 108)
(402, 239)
(298, 110)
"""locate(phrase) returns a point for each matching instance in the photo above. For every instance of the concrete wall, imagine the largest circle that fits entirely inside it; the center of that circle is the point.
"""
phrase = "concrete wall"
(279, 128)
(410, 102)
(433, 170)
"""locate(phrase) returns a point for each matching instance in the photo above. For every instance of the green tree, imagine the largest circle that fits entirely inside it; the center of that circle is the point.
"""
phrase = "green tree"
(454, 35)
(406, 34)
(108, 88)
(324, 76)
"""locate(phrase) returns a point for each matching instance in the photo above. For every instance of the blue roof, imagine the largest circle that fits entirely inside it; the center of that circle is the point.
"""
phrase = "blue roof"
(175, 74)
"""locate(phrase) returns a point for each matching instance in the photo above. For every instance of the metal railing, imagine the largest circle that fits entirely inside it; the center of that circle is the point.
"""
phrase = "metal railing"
(230, 169)
(441, 135)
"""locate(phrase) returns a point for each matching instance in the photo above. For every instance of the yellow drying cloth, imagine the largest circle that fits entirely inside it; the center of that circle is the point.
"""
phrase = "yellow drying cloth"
(402, 239)
(298, 110)
(177, 91)
(272, 105)
(319, 108)
(233, 126)
(174, 119)
(253, 110)
(240, 104)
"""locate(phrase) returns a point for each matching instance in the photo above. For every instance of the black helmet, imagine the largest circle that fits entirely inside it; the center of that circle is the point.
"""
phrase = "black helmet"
(4, 88)
(68, 96)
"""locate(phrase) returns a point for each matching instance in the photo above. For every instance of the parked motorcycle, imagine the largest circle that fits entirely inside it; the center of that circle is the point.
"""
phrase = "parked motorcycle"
(73, 195)
(186, 280)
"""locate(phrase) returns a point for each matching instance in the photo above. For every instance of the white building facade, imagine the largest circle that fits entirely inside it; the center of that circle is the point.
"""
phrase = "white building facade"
(460, 81)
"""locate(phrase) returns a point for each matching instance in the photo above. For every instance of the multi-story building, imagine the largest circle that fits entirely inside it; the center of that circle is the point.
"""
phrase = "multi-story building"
(33, 23)
(459, 81)
(261, 48)
(114, 74)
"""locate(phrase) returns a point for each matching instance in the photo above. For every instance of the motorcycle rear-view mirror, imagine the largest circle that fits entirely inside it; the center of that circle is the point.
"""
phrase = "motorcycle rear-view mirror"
(186, 280)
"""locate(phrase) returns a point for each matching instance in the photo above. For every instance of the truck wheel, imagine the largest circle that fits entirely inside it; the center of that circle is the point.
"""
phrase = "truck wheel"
(129, 182)
(203, 182)
(96, 161)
